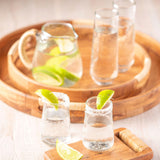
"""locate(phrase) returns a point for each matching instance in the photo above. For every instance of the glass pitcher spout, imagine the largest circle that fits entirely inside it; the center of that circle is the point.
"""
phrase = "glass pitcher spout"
(59, 30)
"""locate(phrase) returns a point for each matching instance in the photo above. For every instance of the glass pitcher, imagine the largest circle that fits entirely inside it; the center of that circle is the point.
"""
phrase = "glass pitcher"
(56, 60)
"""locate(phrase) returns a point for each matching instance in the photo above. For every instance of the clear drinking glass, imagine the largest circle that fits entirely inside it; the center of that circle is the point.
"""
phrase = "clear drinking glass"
(98, 132)
(56, 122)
(126, 9)
(104, 59)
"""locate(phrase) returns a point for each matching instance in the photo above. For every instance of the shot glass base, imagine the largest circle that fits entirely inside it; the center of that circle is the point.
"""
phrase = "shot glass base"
(98, 146)
(125, 68)
(51, 141)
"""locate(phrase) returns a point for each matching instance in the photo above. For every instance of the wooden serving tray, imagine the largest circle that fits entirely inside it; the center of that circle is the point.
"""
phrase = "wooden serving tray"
(133, 81)
(139, 95)
(125, 85)
(119, 151)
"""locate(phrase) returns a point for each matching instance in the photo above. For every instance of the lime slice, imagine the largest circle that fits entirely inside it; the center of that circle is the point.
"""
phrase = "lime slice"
(64, 73)
(103, 97)
(55, 51)
(48, 95)
(66, 152)
(47, 75)
(65, 45)
(59, 60)
(70, 75)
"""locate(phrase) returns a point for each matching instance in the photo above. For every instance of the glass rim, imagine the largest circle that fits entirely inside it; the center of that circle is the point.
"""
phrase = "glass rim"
(56, 23)
(113, 10)
(66, 99)
(107, 109)
(132, 4)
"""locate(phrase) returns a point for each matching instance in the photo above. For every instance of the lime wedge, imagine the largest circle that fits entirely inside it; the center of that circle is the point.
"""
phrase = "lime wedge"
(64, 73)
(103, 97)
(55, 51)
(70, 75)
(66, 152)
(48, 95)
(65, 45)
(47, 75)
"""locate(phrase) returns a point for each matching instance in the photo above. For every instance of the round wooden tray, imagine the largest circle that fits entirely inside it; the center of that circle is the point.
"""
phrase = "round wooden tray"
(125, 85)
(137, 102)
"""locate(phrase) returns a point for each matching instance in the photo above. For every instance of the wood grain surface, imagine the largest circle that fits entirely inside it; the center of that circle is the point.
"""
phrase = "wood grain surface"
(129, 87)
(133, 81)
(20, 136)
(120, 150)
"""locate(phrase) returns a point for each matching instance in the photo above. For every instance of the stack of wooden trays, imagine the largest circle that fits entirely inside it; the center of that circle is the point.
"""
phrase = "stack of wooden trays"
(136, 90)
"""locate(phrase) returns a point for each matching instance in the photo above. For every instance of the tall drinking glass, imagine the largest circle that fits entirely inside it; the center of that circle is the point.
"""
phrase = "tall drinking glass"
(104, 58)
(98, 132)
(56, 122)
(126, 9)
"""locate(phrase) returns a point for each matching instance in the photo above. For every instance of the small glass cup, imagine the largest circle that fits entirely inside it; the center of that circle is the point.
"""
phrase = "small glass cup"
(126, 39)
(55, 122)
(104, 58)
(98, 132)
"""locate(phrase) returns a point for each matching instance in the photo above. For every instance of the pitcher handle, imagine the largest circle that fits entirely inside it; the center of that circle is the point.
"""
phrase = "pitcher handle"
(23, 56)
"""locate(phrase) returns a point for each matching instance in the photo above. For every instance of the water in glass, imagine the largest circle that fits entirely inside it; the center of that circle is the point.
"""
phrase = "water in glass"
(55, 122)
(57, 53)
(104, 58)
(127, 10)
(98, 132)
(126, 44)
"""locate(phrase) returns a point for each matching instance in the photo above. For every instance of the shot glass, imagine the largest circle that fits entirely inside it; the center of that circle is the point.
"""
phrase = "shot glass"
(104, 58)
(126, 39)
(55, 122)
(98, 132)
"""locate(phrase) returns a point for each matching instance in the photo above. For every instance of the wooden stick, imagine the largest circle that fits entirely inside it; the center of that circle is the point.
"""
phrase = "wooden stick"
(132, 141)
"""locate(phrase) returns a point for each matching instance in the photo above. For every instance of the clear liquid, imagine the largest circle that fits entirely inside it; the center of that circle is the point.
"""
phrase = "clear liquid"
(104, 66)
(126, 44)
(55, 125)
(98, 136)
(67, 57)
